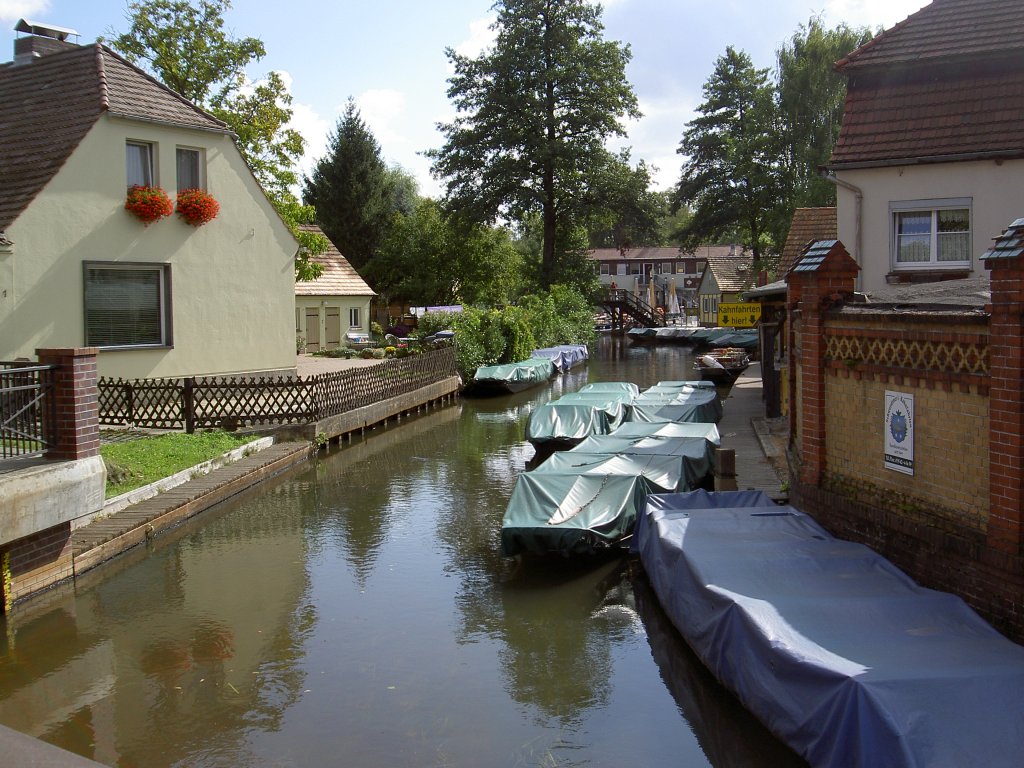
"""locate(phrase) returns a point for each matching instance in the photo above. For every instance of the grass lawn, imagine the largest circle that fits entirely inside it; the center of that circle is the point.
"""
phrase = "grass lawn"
(135, 463)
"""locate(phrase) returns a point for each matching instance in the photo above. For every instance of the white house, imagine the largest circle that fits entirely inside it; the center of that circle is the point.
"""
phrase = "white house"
(79, 126)
(930, 159)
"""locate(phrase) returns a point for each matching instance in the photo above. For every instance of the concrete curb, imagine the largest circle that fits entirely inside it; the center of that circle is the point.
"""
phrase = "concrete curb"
(118, 503)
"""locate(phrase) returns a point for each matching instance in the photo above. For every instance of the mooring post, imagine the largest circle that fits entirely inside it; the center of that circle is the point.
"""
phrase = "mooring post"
(725, 469)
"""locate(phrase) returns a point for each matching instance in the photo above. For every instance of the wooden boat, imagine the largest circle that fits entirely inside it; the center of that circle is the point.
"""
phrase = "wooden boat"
(722, 366)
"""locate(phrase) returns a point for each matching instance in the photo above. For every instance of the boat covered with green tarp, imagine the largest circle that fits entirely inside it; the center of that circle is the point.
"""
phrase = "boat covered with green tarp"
(695, 404)
(511, 377)
(669, 429)
(571, 514)
(566, 421)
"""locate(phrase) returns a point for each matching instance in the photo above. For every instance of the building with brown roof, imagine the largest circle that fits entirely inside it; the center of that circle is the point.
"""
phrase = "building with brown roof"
(79, 126)
(930, 158)
(723, 282)
(806, 226)
(334, 305)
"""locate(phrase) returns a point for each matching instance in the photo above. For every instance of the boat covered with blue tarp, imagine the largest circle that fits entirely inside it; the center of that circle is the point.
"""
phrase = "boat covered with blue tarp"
(511, 377)
(564, 356)
(833, 648)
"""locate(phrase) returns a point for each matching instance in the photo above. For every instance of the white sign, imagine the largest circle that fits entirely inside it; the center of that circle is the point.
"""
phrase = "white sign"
(899, 432)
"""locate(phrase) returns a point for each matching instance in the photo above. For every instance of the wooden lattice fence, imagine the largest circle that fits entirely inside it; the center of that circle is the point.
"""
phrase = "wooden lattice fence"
(197, 403)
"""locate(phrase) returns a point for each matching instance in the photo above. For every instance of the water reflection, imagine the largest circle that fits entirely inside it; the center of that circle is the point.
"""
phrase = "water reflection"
(358, 612)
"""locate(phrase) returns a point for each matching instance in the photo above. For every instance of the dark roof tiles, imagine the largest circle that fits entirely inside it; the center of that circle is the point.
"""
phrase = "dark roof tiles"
(945, 29)
(807, 225)
(50, 104)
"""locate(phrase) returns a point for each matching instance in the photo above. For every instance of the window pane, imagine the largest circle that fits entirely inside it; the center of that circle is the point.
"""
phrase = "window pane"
(353, 317)
(123, 307)
(913, 248)
(139, 163)
(919, 223)
(188, 169)
(954, 246)
(955, 221)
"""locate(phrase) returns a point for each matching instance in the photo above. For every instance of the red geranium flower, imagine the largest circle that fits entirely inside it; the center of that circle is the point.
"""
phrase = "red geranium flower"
(148, 203)
(197, 206)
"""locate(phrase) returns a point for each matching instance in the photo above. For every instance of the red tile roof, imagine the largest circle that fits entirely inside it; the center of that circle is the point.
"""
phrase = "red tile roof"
(945, 84)
(51, 103)
(944, 29)
(807, 225)
(339, 278)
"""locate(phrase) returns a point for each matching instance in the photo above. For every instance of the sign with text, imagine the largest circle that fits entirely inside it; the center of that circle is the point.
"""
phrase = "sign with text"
(899, 432)
(739, 315)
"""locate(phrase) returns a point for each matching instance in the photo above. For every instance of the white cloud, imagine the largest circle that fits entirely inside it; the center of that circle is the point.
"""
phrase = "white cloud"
(481, 36)
(314, 129)
(871, 13)
(12, 10)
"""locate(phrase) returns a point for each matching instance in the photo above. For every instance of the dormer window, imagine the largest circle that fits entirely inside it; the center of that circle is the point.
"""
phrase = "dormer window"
(190, 166)
(139, 164)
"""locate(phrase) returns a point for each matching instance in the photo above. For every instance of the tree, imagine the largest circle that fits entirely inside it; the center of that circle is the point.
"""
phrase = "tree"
(351, 189)
(430, 257)
(627, 212)
(184, 45)
(811, 97)
(533, 114)
(730, 177)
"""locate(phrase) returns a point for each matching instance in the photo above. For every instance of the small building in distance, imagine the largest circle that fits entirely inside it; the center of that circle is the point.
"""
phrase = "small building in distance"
(334, 305)
(723, 282)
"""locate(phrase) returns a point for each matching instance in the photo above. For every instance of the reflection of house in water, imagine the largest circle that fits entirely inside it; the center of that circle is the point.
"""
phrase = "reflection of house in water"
(100, 669)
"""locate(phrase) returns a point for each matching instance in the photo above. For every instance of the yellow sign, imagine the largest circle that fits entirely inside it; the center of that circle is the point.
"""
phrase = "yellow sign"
(743, 315)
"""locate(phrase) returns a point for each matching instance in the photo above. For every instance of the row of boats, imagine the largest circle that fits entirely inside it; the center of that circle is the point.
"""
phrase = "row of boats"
(604, 450)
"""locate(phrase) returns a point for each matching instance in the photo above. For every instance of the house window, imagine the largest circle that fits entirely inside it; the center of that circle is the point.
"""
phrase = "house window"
(606, 269)
(353, 318)
(127, 305)
(189, 166)
(680, 267)
(634, 269)
(931, 233)
(139, 163)
(666, 268)
(620, 268)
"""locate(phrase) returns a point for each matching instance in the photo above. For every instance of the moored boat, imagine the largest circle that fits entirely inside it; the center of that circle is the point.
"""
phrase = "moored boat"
(722, 366)
(511, 377)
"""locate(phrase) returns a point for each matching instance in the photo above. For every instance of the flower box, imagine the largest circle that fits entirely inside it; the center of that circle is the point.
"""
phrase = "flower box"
(149, 204)
(197, 206)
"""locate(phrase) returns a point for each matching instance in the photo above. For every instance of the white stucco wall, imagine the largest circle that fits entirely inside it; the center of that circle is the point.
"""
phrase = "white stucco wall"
(320, 304)
(232, 279)
(996, 192)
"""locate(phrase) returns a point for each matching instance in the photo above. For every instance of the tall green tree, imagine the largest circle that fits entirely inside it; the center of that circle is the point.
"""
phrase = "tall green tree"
(184, 44)
(351, 189)
(627, 212)
(730, 177)
(432, 257)
(533, 114)
(811, 96)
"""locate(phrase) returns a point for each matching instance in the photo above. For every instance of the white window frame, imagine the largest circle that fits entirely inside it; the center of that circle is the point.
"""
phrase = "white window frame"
(354, 317)
(933, 207)
(606, 268)
(164, 336)
(148, 177)
(200, 169)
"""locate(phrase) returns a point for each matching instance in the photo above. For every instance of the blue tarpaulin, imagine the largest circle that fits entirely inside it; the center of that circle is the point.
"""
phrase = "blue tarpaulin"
(836, 650)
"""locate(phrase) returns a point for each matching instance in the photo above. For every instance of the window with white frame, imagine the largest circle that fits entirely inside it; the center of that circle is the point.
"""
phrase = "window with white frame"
(931, 233)
(139, 163)
(127, 305)
(189, 167)
(666, 267)
(620, 268)
(606, 268)
(353, 318)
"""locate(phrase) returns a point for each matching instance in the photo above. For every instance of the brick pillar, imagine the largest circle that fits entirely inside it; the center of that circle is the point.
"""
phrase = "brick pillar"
(823, 275)
(76, 408)
(1006, 405)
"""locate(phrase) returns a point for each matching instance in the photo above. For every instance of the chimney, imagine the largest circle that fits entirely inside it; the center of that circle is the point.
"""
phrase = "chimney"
(42, 39)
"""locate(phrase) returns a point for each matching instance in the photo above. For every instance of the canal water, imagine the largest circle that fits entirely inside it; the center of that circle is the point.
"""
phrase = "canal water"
(357, 612)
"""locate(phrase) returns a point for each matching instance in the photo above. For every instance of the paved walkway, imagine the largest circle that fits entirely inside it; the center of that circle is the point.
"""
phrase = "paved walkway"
(744, 414)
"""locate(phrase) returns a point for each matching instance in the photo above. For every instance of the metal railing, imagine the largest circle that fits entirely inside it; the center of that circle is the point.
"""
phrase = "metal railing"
(27, 410)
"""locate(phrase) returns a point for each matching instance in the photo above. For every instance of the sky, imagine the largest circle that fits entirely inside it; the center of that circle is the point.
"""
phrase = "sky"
(389, 56)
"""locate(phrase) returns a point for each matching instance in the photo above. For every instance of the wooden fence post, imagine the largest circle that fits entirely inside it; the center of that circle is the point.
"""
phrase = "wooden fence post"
(188, 404)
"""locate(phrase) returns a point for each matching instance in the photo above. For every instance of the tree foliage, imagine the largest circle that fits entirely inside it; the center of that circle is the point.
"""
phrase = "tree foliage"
(731, 176)
(430, 257)
(627, 212)
(351, 189)
(185, 46)
(811, 97)
(533, 114)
